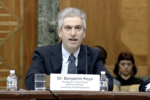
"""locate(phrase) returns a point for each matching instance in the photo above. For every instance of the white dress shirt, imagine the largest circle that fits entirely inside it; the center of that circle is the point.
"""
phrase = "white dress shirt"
(65, 57)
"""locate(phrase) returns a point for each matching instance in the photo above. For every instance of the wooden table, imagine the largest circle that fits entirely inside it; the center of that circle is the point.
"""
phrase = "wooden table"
(25, 94)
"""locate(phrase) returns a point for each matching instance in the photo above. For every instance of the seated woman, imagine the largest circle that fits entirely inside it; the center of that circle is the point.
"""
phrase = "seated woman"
(125, 69)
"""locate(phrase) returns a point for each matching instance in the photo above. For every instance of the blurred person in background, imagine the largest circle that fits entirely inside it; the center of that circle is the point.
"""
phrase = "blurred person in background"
(103, 54)
(125, 69)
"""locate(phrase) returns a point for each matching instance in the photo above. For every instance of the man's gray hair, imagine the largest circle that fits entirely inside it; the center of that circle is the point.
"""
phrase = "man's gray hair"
(71, 12)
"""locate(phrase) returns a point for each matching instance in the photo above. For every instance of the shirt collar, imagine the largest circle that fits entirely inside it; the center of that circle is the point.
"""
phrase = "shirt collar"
(66, 54)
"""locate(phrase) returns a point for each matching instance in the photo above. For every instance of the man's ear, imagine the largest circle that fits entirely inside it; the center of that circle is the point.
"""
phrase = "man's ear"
(59, 32)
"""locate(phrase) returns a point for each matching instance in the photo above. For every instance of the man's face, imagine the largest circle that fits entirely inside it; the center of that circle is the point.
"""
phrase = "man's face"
(72, 33)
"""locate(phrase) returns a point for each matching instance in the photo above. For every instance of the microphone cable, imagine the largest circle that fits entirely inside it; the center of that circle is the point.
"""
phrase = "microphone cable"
(54, 94)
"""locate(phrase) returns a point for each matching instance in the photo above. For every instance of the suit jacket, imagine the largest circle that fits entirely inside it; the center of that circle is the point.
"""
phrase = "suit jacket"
(48, 59)
(142, 85)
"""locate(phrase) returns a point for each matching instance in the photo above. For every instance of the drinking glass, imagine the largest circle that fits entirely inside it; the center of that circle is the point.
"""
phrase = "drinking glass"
(40, 81)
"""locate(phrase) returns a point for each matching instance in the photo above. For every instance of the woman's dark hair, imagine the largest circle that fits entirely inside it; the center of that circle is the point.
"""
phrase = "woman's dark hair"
(125, 56)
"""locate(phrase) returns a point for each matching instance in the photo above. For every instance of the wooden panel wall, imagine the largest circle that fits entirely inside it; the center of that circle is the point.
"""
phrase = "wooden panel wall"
(148, 37)
(18, 38)
(30, 33)
(117, 25)
(11, 40)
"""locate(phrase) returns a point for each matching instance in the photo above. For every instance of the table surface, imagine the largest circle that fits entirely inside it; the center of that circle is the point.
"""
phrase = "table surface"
(27, 94)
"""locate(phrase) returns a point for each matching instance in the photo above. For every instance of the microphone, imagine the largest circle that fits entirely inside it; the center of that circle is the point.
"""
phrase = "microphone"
(86, 58)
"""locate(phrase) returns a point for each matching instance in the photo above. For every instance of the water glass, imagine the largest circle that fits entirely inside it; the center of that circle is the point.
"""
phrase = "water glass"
(40, 81)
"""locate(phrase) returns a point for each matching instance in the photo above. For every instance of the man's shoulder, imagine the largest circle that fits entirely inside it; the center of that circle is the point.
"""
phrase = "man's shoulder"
(46, 47)
(93, 50)
(49, 47)
(90, 51)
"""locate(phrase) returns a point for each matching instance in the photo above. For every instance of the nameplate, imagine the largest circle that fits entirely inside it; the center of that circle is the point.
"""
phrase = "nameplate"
(74, 82)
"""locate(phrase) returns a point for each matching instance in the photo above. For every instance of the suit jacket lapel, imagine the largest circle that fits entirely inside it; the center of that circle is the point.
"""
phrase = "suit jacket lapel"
(56, 58)
(82, 60)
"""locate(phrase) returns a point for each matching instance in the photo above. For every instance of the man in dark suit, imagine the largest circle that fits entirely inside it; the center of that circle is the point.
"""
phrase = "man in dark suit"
(55, 59)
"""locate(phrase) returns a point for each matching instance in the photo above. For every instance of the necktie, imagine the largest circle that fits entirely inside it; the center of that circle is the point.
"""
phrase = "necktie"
(72, 69)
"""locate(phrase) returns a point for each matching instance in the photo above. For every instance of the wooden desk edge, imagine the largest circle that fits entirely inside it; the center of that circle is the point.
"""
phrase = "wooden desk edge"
(31, 94)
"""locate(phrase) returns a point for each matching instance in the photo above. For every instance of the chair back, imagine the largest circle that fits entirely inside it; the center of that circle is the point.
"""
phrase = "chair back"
(134, 88)
(125, 88)
(115, 88)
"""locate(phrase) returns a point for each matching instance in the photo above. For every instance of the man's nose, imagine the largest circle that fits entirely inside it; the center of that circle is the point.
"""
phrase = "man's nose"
(73, 32)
